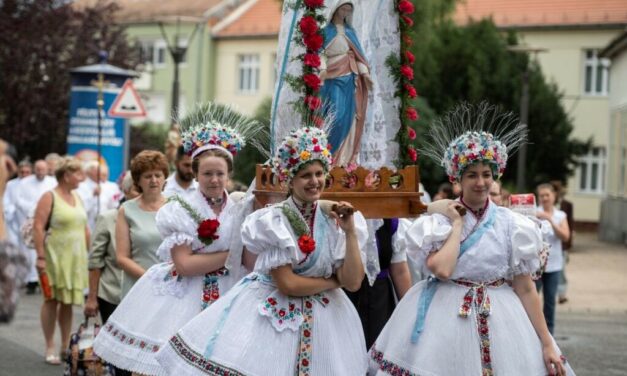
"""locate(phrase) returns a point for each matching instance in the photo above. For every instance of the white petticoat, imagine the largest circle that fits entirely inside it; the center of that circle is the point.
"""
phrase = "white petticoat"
(154, 309)
(336, 337)
(449, 343)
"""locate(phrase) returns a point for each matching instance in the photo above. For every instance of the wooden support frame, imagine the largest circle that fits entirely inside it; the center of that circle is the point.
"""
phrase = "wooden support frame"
(383, 193)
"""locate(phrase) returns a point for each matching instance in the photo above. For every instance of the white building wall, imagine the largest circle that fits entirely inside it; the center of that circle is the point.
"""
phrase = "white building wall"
(227, 63)
(564, 64)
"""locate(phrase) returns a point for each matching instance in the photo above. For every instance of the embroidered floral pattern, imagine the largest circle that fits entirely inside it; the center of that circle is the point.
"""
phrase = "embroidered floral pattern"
(306, 329)
(304, 351)
(129, 340)
(172, 274)
(477, 297)
(387, 366)
(282, 315)
(211, 287)
(195, 359)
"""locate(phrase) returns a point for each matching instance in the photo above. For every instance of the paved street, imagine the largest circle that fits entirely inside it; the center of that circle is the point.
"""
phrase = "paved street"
(591, 327)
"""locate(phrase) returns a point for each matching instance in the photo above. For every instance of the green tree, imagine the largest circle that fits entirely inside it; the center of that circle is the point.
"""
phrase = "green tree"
(473, 65)
(42, 40)
(248, 158)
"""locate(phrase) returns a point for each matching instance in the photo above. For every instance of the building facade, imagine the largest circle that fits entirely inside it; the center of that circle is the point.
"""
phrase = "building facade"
(614, 207)
(572, 33)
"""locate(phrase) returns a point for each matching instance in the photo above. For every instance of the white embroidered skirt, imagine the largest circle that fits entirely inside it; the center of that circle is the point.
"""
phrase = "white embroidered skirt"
(255, 330)
(452, 344)
(159, 304)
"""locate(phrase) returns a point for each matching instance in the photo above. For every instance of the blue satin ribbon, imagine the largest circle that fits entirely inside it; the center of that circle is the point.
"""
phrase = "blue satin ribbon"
(428, 292)
(225, 313)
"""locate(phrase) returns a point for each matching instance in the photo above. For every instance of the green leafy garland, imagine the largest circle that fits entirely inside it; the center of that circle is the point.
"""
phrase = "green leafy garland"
(295, 220)
(188, 208)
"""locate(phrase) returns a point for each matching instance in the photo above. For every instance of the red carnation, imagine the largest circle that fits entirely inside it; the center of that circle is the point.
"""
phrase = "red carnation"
(409, 57)
(408, 72)
(207, 230)
(411, 91)
(317, 149)
(406, 6)
(408, 21)
(306, 244)
(314, 3)
(413, 155)
(313, 102)
(411, 133)
(308, 25)
(312, 60)
(313, 81)
(313, 42)
(411, 113)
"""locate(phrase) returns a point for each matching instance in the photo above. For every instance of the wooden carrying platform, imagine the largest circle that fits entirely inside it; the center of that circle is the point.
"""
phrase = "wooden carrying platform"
(377, 194)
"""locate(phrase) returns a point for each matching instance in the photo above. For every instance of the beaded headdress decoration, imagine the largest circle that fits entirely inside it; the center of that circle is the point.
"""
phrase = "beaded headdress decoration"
(470, 134)
(299, 147)
(215, 126)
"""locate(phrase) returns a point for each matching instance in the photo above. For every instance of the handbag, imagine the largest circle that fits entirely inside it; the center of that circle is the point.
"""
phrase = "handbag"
(80, 358)
(27, 228)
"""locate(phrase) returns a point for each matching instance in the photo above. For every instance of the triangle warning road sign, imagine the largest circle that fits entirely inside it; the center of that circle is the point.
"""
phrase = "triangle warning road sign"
(127, 104)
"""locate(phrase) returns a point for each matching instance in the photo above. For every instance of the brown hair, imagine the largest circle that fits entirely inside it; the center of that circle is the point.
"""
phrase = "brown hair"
(546, 186)
(67, 164)
(145, 161)
(212, 153)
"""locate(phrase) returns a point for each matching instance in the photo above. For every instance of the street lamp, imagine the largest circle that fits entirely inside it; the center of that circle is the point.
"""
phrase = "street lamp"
(177, 53)
(521, 178)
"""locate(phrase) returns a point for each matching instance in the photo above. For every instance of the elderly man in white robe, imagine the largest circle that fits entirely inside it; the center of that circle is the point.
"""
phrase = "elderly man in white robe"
(24, 169)
(96, 197)
(29, 191)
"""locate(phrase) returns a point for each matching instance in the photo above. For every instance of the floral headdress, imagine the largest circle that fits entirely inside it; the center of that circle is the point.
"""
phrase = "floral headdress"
(469, 134)
(216, 126)
(299, 147)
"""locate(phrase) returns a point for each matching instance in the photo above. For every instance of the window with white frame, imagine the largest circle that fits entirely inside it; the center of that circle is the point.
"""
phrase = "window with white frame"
(152, 51)
(591, 171)
(248, 71)
(596, 73)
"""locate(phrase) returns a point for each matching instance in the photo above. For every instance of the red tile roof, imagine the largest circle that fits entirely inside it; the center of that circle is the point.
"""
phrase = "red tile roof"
(135, 11)
(257, 18)
(544, 13)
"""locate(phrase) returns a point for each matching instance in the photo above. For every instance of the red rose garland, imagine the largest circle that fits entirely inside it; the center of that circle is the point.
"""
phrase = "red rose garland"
(309, 35)
(402, 69)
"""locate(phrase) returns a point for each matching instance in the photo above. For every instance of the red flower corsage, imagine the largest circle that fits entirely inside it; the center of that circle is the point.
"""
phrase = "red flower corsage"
(207, 230)
(306, 244)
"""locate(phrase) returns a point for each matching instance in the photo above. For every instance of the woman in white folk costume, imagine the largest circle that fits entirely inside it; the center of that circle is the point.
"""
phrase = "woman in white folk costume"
(479, 312)
(290, 316)
(198, 234)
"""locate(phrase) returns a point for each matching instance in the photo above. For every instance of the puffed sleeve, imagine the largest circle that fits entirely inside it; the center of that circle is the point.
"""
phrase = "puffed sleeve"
(176, 227)
(339, 251)
(427, 234)
(267, 234)
(399, 242)
(526, 243)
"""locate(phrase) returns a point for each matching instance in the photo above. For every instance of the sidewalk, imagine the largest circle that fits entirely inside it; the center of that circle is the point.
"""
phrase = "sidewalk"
(597, 277)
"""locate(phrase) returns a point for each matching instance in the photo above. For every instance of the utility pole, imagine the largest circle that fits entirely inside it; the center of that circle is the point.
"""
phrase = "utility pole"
(521, 168)
(177, 53)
